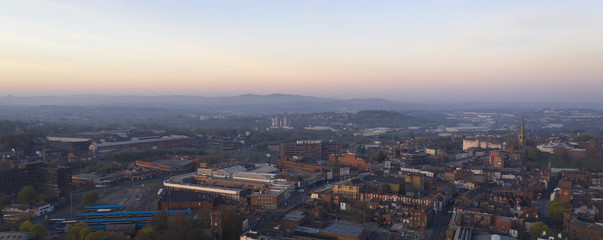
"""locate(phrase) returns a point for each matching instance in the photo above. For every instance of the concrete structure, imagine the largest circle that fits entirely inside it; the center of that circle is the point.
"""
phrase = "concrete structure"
(228, 172)
(16, 236)
(167, 165)
(476, 143)
(76, 144)
(141, 144)
(413, 170)
(252, 176)
(315, 149)
(230, 193)
(94, 180)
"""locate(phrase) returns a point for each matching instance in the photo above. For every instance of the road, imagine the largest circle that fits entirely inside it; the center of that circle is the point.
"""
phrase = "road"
(438, 229)
(543, 203)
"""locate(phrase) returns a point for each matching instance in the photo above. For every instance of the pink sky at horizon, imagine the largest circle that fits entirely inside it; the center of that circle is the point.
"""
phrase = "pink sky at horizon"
(469, 50)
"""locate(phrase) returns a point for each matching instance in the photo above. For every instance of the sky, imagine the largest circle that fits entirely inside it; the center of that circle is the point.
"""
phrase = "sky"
(544, 51)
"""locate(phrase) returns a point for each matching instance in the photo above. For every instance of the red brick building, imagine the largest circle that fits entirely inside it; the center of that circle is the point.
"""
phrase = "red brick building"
(351, 160)
(565, 196)
(497, 160)
(168, 164)
(183, 200)
(583, 230)
(295, 165)
(417, 217)
(577, 176)
(268, 199)
(367, 197)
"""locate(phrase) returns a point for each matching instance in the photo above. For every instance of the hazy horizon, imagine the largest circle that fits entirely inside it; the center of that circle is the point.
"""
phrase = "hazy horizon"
(462, 51)
(468, 103)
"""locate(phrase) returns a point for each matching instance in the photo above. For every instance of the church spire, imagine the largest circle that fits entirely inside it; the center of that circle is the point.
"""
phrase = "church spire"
(521, 137)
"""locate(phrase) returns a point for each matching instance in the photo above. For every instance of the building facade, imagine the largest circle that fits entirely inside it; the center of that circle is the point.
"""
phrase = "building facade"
(315, 149)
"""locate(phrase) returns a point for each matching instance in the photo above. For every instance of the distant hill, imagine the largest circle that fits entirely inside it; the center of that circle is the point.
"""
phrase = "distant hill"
(243, 104)
(248, 104)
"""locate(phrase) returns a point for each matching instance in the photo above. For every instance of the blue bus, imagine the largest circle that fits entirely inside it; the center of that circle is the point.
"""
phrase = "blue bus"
(127, 214)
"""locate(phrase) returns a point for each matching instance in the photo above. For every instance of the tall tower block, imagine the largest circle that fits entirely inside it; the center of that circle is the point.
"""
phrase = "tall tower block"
(521, 137)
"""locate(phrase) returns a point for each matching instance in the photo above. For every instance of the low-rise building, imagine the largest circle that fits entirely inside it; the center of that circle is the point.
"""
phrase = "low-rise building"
(184, 200)
(268, 199)
(140, 144)
(167, 165)
(350, 160)
(344, 232)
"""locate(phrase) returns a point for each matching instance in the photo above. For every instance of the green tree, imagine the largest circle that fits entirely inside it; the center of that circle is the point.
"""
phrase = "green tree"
(4, 164)
(178, 221)
(39, 230)
(25, 226)
(90, 198)
(583, 138)
(483, 206)
(555, 212)
(160, 221)
(147, 232)
(98, 235)
(360, 149)
(16, 141)
(538, 228)
(561, 158)
(421, 142)
(448, 143)
(74, 232)
(27, 195)
(536, 155)
(3, 200)
(116, 235)
(84, 233)
(381, 156)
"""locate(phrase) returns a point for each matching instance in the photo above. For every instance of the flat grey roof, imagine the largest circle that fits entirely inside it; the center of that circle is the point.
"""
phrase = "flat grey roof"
(108, 144)
(342, 229)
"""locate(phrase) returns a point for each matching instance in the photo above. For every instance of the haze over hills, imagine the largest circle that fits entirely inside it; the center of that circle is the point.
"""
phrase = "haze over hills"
(248, 103)
(257, 104)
